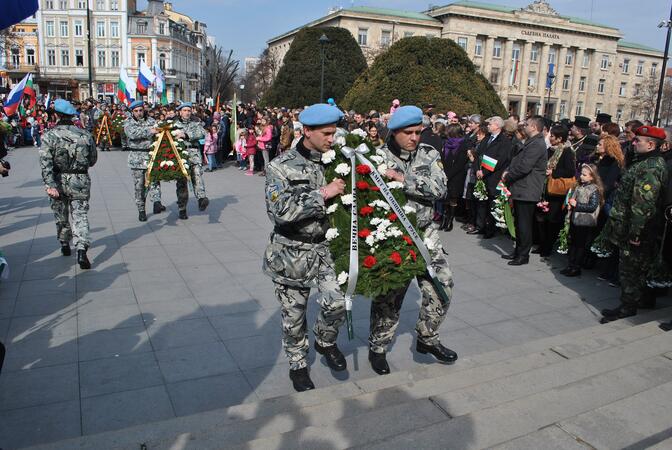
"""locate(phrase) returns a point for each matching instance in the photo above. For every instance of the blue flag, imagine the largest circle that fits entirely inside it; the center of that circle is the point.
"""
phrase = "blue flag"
(14, 11)
(550, 76)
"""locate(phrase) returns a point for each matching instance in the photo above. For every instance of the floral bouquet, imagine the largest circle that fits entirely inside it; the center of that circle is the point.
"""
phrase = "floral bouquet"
(480, 192)
(543, 207)
(103, 130)
(563, 239)
(169, 159)
(601, 246)
(117, 127)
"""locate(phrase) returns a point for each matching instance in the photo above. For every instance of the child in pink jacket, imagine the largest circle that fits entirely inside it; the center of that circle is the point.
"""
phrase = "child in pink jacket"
(250, 151)
(210, 148)
(264, 142)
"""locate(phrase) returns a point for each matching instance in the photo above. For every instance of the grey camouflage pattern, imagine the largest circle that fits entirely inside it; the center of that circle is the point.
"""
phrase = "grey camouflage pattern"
(140, 140)
(195, 132)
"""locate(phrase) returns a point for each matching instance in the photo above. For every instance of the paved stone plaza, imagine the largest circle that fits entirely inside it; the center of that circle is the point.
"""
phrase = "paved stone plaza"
(176, 318)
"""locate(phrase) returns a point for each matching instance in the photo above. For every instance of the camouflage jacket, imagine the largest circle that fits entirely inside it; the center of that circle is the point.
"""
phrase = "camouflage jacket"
(296, 209)
(424, 178)
(66, 154)
(140, 140)
(195, 132)
(638, 204)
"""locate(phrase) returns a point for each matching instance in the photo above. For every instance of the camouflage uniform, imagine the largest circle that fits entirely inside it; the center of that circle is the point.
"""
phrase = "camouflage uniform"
(637, 216)
(140, 141)
(297, 257)
(424, 183)
(66, 154)
(195, 132)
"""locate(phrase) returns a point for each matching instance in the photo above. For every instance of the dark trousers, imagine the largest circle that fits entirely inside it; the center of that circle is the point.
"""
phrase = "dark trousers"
(579, 240)
(484, 220)
(524, 220)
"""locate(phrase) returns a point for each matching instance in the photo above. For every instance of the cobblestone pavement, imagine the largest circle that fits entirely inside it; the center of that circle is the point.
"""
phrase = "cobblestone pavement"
(175, 317)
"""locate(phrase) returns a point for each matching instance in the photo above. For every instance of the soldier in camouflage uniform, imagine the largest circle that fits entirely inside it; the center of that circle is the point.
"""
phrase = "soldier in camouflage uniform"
(418, 167)
(140, 134)
(636, 220)
(192, 132)
(66, 154)
(297, 257)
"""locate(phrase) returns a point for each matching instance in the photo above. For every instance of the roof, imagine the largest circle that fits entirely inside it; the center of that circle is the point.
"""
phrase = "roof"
(508, 9)
(635, 46)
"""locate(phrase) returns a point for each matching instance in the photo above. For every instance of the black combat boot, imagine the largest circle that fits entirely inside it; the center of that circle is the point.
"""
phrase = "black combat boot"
(83, 260)
(335, 359)
(443, 354)
(158, 208)
(142, 216)
(203, 203)
(65, 249)
(183, 214)
(301, 380)
(609, 315)
(448, 217)
(379, 363)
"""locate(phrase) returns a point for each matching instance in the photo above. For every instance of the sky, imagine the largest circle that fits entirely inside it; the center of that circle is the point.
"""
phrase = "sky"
(246, 25)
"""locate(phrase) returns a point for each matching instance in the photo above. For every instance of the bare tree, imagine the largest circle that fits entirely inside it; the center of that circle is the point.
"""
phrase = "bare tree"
(220, 72)
(259, 80)
(644, 100)
(666, 103)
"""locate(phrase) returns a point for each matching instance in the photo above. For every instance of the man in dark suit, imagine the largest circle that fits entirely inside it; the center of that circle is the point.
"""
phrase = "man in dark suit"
(496, 146)
(525, 178)
(428, 136)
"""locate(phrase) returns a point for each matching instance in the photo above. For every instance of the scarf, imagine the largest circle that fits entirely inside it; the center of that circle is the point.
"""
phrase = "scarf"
(557, 153)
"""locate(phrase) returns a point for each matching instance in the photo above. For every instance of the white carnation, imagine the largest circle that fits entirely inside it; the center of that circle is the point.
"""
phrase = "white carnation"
(380, 204)
(382, 168)
(343, 169)
(328, 156)
(347, 199)
(377, 159)
(395, 185)
(376, 220)
(359, 132)
(394, 232)
(332, 233)
(340, 140)
(409, 209)
(342, 278)
(332, 209)
(370, 240)
(170, 163)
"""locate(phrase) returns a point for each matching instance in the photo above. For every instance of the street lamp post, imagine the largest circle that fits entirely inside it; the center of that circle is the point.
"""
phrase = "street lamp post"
(242, 88)
(549, 84)
(667, 24)
(323, 42)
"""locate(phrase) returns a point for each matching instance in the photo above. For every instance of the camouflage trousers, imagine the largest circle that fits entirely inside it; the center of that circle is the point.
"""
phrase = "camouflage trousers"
(633, 266)
(154, 190)
(385, 310)
(197, 183)
(63, 208)
(293, 306)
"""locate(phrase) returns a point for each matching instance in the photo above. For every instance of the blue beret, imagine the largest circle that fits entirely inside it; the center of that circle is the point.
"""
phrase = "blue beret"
(136, 103)
(64, 107)
(405, 116)
(185, 105)
(331, 101)
(320, 114)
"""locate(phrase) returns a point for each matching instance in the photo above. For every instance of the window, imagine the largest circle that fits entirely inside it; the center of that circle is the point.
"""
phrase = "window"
(598, 108)
(569, 59)
(30, 56)
(600, 86)
(586, 59)
(65, 58)
(640, 68)
(81, 4)
(162, 61)
(114, 5)
(16, 57)
(64, 28)
(626, 65)
(162, 28)
(100, 5)
(362, 37)
(114, 58)
(563, 109)
(100, 28)
(619, 114)
(51, 57)
(462, 42)
(515, 52)
(478, 51)
(532, 79)
(551, 55)
(141, 57)
(79, 27)
(604, 64)
(114, 29)
(63, 4)
(49, 4)
(408, 34)
(494, 75)
(142, 27)
(565, 83)
(582, 84)
(79, 57)
(50, 28)
(579, 109)
(622, 89)
(534, 54)
(385, 37)
(637, 89)
(101, 58)
(654, 66)
(497, 49)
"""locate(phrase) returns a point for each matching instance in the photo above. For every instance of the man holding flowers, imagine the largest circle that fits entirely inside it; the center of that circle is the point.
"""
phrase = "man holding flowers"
(417, 168)
(297, 257)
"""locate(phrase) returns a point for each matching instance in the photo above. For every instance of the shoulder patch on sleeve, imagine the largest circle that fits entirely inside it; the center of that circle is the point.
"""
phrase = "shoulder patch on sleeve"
(272, 192)
(647, 187)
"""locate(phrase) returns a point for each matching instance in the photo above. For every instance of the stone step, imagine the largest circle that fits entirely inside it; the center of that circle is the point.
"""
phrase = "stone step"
(243, 420)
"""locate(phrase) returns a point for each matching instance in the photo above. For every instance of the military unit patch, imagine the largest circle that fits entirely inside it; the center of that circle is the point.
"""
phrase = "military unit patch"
(272, 192)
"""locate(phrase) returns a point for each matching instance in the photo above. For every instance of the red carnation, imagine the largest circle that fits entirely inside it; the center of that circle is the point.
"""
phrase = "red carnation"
(362, 185)
(392, 217)
(363, 169)
(395, 257)
(413, 255)
(369, 262)
(374, 188)
(408, 240)
(364, 233)
(366, 210)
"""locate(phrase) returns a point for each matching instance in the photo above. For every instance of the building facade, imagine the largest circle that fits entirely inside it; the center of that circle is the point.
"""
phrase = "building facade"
(20, 52)
(538, 61)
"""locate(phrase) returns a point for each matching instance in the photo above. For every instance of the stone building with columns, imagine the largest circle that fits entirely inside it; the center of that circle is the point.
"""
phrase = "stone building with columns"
(591, 68)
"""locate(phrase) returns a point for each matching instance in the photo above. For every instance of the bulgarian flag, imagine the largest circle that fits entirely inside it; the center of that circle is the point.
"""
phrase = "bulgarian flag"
(488, 163)
(123, 92)
(29, 91)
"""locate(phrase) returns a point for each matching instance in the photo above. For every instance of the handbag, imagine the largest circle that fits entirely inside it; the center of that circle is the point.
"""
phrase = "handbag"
(559, 186)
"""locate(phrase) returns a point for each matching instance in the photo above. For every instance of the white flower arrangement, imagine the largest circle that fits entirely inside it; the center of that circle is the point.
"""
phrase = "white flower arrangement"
(343, 169)
(332, 209)
(340, 140)
(342, 278)
(332, 233)
(380, 204)
(329, 156)
(395, 185)
(347, 199)
(409, 210)
(382, 168)
(370, 240)
(359, 132)
(394, 232)
(377, 159)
